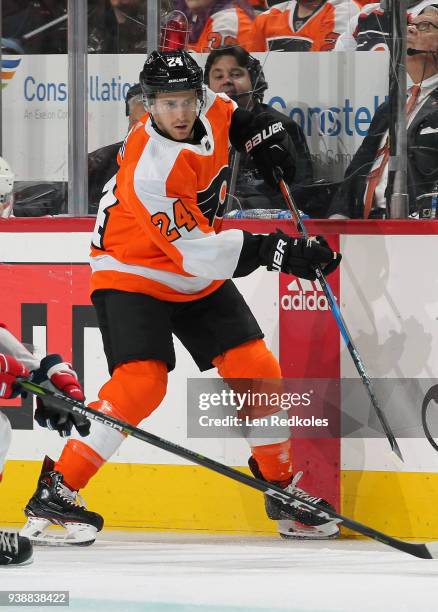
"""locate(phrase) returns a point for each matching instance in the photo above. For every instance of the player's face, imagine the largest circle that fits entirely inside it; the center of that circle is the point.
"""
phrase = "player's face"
(226, 76)
(175, 113)
(423, 31)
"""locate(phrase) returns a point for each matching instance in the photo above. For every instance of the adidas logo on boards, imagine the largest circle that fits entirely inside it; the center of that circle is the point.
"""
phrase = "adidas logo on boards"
(304, 295)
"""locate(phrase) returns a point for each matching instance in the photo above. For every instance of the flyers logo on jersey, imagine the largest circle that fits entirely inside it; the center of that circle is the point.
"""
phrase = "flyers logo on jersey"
(211, 200)
(274, 128)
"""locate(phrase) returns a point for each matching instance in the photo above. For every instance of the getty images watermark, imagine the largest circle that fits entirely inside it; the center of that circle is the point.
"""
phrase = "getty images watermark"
(249, 403)
(256, 408)
(306, 408)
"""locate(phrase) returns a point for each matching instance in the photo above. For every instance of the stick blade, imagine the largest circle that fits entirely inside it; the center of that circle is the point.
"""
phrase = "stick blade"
(396, 449)
(432, 549)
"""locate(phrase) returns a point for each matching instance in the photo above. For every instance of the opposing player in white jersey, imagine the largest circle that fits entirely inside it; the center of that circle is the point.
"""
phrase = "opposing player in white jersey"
(16, 360)
(160, 266)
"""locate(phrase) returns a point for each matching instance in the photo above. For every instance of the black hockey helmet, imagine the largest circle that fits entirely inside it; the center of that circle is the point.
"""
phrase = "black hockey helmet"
(245, 60)
(166, 71)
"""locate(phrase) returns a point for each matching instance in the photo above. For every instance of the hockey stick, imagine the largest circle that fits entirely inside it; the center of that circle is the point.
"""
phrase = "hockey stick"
(432, 394)
(360, 367)
(422, 551)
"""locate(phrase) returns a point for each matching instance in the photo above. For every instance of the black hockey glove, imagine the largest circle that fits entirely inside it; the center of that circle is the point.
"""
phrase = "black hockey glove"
(298, 256)
(270, 146)
(56, 375)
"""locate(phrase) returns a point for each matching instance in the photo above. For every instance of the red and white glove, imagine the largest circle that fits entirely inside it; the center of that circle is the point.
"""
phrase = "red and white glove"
(10, 368)
(56, 375)
(64, 378)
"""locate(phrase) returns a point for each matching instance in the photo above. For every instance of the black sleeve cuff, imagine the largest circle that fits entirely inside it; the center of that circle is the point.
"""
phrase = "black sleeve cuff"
(249, 259)
(241, 121)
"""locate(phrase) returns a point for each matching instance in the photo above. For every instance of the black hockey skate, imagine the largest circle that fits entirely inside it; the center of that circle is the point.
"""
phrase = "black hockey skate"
(14, 549)
(297, 523)
(53, 503)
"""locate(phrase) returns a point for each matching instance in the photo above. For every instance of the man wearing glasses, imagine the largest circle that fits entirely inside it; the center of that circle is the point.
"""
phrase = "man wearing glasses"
(363, 193)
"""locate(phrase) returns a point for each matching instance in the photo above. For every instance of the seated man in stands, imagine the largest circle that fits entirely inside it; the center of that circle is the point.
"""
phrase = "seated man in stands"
(233, 71)
(364, 192)
(213, 23)
(369, 30)
(301, 25)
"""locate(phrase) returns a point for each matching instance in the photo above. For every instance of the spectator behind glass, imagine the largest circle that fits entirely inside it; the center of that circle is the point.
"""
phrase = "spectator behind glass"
(364, 191)
(102, 163)
(40, 26)
(214, 23)
(300, 25)
(233, 71)
(117, 26)
(369, 30)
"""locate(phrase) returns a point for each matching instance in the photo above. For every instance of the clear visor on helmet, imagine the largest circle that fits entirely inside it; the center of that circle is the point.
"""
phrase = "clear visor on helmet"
(6, 205)
(190, 101)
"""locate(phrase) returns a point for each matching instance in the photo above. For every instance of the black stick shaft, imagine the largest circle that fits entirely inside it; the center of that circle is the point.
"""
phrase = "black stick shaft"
(288, 499)
(360, 367)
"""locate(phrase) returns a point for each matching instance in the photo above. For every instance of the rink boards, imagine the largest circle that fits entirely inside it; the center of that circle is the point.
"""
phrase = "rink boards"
(388, 291)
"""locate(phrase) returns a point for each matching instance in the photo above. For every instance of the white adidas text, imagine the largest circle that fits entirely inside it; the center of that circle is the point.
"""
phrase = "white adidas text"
(304, 295)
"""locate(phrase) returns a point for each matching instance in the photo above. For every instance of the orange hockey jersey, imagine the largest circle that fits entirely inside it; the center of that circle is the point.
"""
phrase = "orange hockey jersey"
(230, 26)
(279, 29)
(154, 230)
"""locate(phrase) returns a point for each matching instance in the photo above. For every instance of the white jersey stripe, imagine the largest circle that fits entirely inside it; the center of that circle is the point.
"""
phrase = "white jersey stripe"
(183, 284)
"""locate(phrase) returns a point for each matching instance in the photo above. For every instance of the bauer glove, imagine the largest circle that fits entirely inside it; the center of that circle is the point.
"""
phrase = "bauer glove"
(298, 256)
(268, 143)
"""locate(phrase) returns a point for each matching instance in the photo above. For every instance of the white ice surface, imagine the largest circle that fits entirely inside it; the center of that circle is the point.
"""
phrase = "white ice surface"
(182, 572)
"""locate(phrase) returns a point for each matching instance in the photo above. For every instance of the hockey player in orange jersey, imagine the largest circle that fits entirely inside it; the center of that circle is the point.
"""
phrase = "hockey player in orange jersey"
(159, 268)
(214, 23)
(300, 25)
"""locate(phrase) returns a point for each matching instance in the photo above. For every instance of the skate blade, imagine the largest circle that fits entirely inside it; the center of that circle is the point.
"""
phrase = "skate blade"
(293, 530)
(41, 533)
(21, 564)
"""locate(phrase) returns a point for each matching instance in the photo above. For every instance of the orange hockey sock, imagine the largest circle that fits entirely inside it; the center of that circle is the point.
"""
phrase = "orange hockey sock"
(134, 391)
(274, 460)
(254, 360)
(136, 388)
(78, 463)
